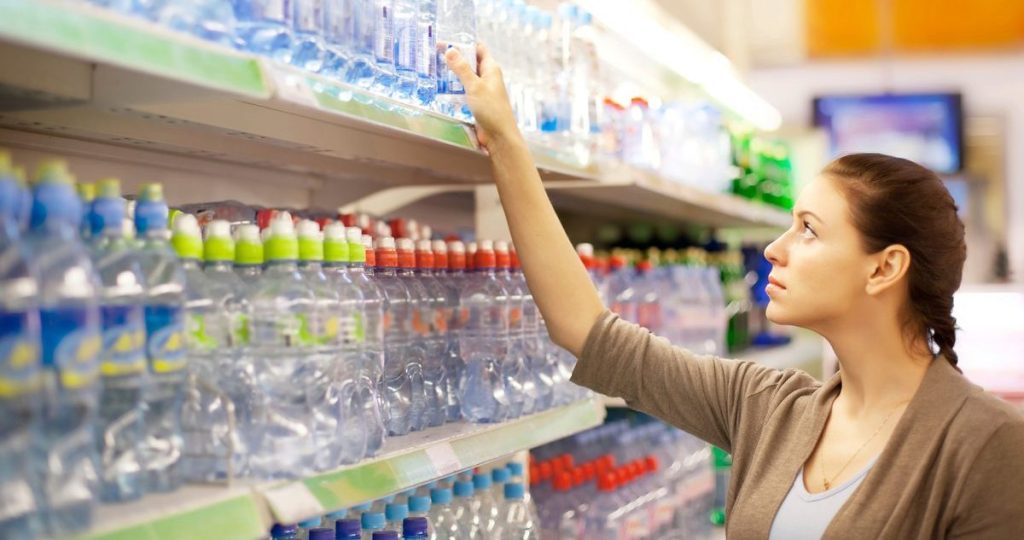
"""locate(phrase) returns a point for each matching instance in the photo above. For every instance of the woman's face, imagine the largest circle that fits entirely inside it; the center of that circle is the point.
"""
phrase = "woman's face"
(819, 267)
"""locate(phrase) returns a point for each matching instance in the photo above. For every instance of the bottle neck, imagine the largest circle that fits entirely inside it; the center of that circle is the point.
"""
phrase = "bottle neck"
(282, 265)
(219, 266)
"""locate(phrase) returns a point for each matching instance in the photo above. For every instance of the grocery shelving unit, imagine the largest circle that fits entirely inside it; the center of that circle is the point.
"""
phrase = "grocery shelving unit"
(123, 97)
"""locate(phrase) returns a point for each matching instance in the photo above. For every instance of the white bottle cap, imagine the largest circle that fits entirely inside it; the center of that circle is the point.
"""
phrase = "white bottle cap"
(367, 241)
(281, 226)
(354, 235)
(186, 225)
(385, 242)
(438, 246)
(218, 228)
(471, 247)
(501, 246)
(456, 246)
(406, 244)
(308, 228)
(362, 221)
(484, 245)
(423, 245)
(247, 232)
(334, 231)
(426, 232)
(383, 229)
(585, 249)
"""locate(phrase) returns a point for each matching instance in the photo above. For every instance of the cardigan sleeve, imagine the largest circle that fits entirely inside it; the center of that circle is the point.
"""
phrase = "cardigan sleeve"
(707, 396)
(992, 502)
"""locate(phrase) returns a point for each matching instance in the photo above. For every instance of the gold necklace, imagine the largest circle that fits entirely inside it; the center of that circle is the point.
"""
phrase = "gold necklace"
(824, 478)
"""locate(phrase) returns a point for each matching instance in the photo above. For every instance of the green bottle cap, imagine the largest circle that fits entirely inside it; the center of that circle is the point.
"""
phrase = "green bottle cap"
(281, 243)
(86, 191)
(248, 246)
(108, 188)
(53, 170)
(311, 242)
(186, 238)
(219, 245)
(356, 250)
(151, 192)
(335, 245)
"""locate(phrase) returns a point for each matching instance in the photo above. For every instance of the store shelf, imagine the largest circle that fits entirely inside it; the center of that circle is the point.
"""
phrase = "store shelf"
(246, 510)
(79, 73)
(804, 352)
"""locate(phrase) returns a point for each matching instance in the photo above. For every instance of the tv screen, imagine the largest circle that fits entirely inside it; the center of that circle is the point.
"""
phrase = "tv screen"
(926, 128)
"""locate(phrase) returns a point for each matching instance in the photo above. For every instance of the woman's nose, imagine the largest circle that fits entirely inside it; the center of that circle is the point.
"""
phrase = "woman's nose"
(775, 251)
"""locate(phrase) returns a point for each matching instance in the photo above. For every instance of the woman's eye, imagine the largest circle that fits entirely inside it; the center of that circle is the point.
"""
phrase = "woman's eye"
(808, 232)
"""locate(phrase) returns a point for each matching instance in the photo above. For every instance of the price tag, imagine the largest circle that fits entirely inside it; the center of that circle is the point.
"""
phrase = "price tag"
(292, 502)
(293, 87)
(444, 459)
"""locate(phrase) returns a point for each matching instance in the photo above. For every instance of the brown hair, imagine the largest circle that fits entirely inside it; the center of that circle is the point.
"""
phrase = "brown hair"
(896, 201)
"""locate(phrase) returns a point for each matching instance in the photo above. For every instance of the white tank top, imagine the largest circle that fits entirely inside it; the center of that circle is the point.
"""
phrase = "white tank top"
(804, 515)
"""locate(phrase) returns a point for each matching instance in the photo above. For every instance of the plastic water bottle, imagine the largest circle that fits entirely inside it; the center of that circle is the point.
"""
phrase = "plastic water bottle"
(396, 513)
(372, 522)
(415, 528)
(405, 20)
(338, 34)
(515, 373)
(403, 356)
(538, 385)
(484, 505)
(263, 27)
(362, 69)
(424, 341)
(445, 523)
(518, 519)
(371, 328)
(308, 47)
(248, 254)
(452, 275)
(437, 313)
(483, 338)
(426, 52)
(465, 514)
(165, 342)
(212, 20)
(123, 363)
(20, 374)
(282, 347)
(384, 46)
(86, 194)
(456, 27)
(69, 314)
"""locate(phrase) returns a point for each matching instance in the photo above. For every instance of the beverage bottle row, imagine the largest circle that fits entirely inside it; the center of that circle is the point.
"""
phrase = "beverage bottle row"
(485, 505)
(136, 357)
(658, 483)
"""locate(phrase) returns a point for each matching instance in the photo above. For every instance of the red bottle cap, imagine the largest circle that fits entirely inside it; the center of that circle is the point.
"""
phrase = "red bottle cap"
(515, 259)
(546, 470)
(485, 257)
(371, 258)
(563, 482)
(578, 477)
(608, 482)
(617, 262)
(652, 463)
(424, 255)
(567, 461)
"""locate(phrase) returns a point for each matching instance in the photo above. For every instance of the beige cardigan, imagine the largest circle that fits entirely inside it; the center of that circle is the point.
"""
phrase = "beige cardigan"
(953, 468)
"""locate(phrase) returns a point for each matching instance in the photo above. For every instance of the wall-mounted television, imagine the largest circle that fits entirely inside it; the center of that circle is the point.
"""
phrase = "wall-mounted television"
(926, 128)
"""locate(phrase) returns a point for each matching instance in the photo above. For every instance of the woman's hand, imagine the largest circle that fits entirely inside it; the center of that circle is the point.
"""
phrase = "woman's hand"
(485, 93)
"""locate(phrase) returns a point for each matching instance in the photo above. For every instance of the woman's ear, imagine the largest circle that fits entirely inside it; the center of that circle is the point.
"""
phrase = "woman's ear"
(890, 266)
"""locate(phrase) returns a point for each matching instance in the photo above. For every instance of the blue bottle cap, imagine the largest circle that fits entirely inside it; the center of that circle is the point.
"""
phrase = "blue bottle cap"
(463, 488)
(441, 496)
(419, 504)
(481, 481)
(396, 511)
(500, 476)
(385, 535)
(151, 210)
(283, 531)
(321, 533)
(415, 527)
(310, 523)
(373, 520)
(515, 468)
(347, 529)
(514, 490)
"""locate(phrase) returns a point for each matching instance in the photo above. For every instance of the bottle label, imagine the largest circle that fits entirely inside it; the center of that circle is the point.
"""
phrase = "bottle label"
(71, 345)
(515, 317)
(124, 340)
(329, 331)
(241, 330)
(384, 42)
(441, 318)
(405, 45)
(426, 56)
(351, 329)
(19, 354)
(198, 333)
(306, 334)
(421, 322)
(165, 338)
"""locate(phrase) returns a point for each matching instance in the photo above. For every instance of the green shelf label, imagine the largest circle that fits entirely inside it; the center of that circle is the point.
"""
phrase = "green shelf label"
(238, 518)
(106, 39)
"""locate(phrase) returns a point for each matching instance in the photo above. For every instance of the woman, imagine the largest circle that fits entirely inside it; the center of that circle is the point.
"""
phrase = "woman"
(897, 445)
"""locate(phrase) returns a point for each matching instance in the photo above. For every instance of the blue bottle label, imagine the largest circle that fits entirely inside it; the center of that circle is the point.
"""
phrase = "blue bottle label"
(19, 353)
(71, 344)
(384, 43)
(165, 338)
(124, 339)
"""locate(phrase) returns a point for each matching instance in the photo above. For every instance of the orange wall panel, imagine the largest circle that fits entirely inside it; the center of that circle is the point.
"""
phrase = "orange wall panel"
(842, 27)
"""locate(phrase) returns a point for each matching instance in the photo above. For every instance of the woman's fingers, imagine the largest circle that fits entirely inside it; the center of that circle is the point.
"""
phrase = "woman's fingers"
(459, 66)
(485, 60)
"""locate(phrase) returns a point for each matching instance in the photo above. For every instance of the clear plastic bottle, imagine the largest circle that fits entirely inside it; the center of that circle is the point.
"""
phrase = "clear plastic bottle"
(515, 371)
(483, 338)
(483, 504)
(248, 254)
(464, 511)
(20, 373)
(398, 391)
(384, 47)
(621, 294)
(282, 347)
(362, 69)
(212, 20)
(69, 314)
(308, 48)
(453, 278)
(406, 42)
(456, 27)
(444, 521)
(419, 507)
(165, 342)
(426, 53)
(424, 339)
(372, 523)
(338, 34)
(263, 27)
(123, 364)
(518, 519)
(396, 513)
(538, 385)
(437, 314)
(371, 328)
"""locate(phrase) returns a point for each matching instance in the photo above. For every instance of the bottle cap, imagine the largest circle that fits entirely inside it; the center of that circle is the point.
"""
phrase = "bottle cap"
(514, 490)
(440, 496)
(419, 504)
(385, 535)
(108, 209)
(53, 171)
(502, 258)
(321, 533)
(311, 241)
(396, 511)
(356, 251)
(424, 255)
(310, 523)
(335, 243)
(281, 243)
(219, 246)
(248, 245)
(336, 515)
(481, 481)
(586, 253)
(484, 256)
(186, 238)
(563, 481)
(608, 482)
(387, 256)
(362, 508)
(151, 212)
(546, 470)
(347, 529)
(279, 530)
(456, 255)
(415, 527)
(440, 254)
(369, 253)
(86, 191)
(373, 520)
(463, 488)
(500, 475)
(567, 461)
(515, 468)
(406, 251)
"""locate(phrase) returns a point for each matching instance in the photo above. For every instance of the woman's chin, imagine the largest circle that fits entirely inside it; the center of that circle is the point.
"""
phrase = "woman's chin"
(777, 314)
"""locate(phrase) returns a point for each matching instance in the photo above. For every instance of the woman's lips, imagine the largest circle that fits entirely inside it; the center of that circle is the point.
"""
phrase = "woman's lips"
(774, 284)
